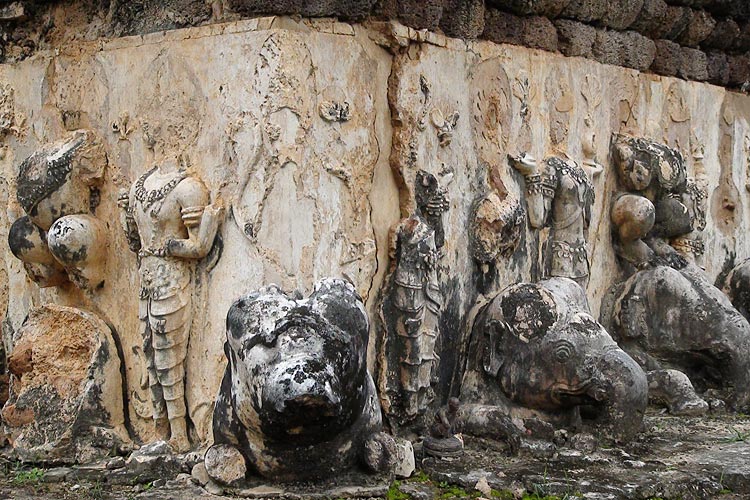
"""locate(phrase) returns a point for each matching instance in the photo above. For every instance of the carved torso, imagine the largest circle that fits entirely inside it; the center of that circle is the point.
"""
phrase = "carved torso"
(158, 204)
(571, 213)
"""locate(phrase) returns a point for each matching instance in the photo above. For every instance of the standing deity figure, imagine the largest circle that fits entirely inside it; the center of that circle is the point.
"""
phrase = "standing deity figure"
(658, 204)
(411, 309)
(59, 239)
(560, 194)
(170, 224)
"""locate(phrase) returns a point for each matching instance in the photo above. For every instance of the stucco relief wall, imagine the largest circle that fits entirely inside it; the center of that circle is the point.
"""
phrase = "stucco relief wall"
(312, 133)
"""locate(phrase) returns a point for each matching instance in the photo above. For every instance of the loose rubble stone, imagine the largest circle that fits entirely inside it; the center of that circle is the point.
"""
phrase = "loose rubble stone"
(406, 462)
(199, 474)
(56, 475)
(261, 491)
(225, 464)
(463, 18)
(116, 463)
(574, 38)
(583, 442)
(417, 491)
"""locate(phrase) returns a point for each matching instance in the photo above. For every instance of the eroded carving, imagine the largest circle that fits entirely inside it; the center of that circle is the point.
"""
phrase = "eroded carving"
(59, 238)
(170, 223)
(560, 194)
(536, 353)
(445, 438)
(297, 400)
(444, 126)
(411, 308)
(652, 211)
(668, 318)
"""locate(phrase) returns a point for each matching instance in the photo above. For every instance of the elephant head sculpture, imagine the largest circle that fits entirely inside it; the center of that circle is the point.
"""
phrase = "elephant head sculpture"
(536, 350)
(297, 400)
(676, 319)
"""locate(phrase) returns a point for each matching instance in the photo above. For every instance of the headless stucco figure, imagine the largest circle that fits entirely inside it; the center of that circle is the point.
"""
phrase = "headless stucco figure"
(560, 194)
(411, 311)
(170, 224)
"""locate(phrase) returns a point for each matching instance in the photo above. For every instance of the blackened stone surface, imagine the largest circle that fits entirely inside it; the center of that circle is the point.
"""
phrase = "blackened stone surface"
(717, 65)
(307, 414)
(515, 337)
(723, 36)
(620, 14)
(502, 27)
(463, 18)
(665, 316)
(417, 14)
(680, 18)
(651, 18)
(574, 38)
(700, 27)
(667, 59)
(345, 9)
(547, 8)
(586, 10)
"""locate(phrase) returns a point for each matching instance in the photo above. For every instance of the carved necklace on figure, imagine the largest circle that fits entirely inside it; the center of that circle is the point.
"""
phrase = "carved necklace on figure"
(154, 199)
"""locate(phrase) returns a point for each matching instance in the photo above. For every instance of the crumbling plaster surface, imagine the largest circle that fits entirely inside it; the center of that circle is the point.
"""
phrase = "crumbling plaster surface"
(313, 190)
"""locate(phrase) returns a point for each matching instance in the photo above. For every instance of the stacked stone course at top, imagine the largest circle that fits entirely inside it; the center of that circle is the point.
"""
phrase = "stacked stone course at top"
(703, 40)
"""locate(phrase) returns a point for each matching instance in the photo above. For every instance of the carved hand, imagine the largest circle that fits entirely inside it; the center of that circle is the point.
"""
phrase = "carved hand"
(524, 163)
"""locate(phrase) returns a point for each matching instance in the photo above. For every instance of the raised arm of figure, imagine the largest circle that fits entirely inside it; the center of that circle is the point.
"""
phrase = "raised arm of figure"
(539, 188)
(201, 220)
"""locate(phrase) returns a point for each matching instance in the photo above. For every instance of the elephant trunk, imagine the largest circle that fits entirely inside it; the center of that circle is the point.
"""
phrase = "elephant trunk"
(623, 393)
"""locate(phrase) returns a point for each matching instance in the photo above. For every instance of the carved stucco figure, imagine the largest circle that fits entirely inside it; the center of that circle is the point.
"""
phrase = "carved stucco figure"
(560, 194)
(652, 208)
(667, 314)
(59, 238)
(411, 308)
(670, 319)
(536, 353)
(170, 224)
(297, 400)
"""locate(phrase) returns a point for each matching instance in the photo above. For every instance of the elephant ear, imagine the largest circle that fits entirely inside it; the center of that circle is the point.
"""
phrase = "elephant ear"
(493, 355)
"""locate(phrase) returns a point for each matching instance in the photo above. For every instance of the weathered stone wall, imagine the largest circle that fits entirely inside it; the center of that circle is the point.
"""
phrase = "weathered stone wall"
(703, 40)
(313, 193)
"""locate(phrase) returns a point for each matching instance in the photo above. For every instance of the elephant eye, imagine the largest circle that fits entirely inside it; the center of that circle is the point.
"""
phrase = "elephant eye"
(562, 353)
